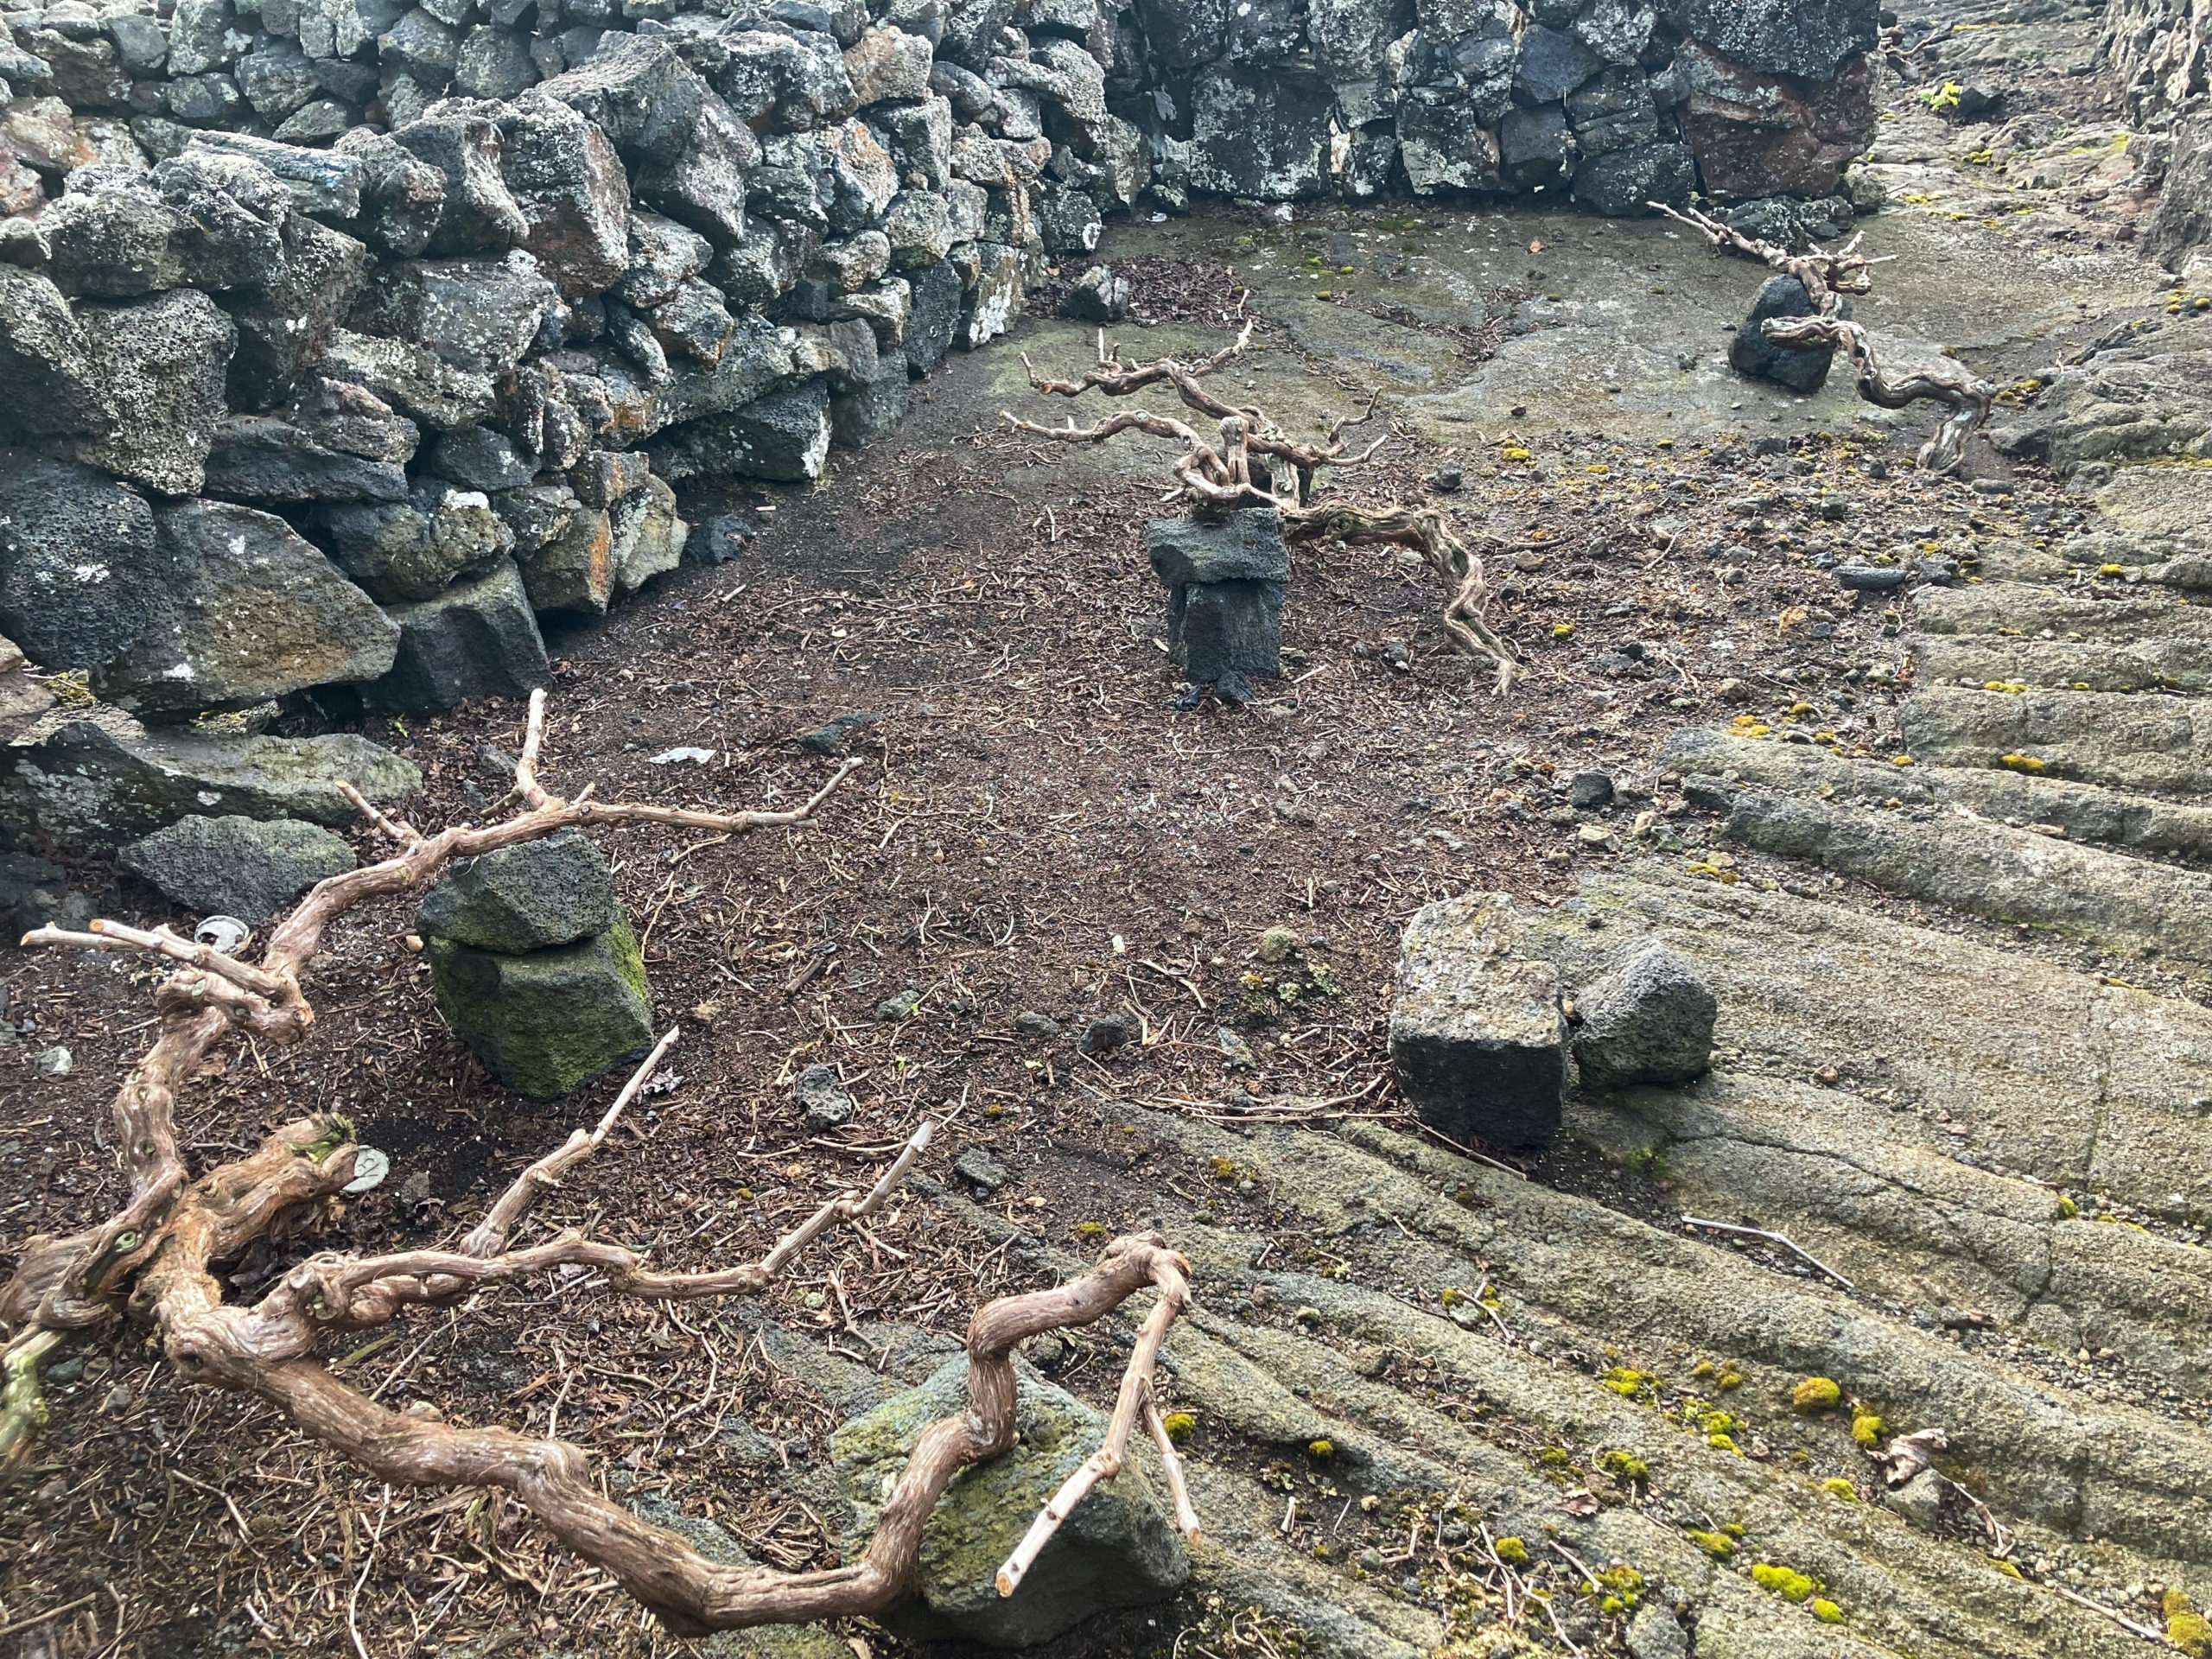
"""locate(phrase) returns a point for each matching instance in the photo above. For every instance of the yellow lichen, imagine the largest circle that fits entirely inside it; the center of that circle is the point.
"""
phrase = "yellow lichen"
(1816, 1394)
(1322, 1448)
(1624, 1466)
(1511, 1551)
(1786, 1582)
(1827, 1612)
(1837, 1486)
(1717, 1545)
(2186, 1627)
(1866, 1428)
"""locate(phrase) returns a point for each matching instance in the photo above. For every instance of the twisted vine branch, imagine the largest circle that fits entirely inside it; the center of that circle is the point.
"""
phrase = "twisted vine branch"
(1255, 464)
(1827, 277)
(154, 1259)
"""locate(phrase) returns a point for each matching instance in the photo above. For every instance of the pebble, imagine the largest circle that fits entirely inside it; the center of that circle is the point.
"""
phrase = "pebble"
(56, 1062)
(1104, 1034)
(978, 1168)
(1030, 1023)
(1591, 790)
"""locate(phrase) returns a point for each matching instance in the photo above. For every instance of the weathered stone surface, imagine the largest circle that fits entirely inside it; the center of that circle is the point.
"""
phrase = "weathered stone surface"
(248, 610)
(479, 214)
(1622, 183)
(1118, 1549)
(1097, 296)
(528, 897)
(822, 1099)
(1248, 546)
(994, 300)
(84, 787)
(80, 568)
(22, 699)
(1649, 1019)
(411, 378)
(265, 458)
(161, 365)
(574, 196)
(415, 548)
(44, 352)
(480, 316)
(933, 322)
(573, 569)
(1476, 1036)
(477, 640)
(1808, 38)
(550, 1021)
(237, 865)
(646, 534)
(1261, 133)
(1226, 633)
(1756, 134)
(783, 436)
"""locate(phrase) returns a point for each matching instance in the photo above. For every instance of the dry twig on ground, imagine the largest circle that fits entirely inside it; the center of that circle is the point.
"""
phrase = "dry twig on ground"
(1827, 277)
(155, 1260)
(1256, 464)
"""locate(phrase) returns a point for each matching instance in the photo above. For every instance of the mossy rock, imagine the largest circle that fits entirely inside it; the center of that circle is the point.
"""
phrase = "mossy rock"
(1119, 1549)
(548, 1021)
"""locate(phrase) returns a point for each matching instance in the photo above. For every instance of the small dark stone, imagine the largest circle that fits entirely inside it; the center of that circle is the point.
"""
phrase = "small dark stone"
(717, 541)
(1104, 1034)
(830, 738)
(977, 1167)
(1591, 790)
(821, 1098)
(1872, 578)
(1798, 368)
(1449, 479)
(1030, 1023)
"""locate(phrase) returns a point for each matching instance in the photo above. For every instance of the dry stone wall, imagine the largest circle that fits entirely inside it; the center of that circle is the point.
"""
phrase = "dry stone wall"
(344, 339)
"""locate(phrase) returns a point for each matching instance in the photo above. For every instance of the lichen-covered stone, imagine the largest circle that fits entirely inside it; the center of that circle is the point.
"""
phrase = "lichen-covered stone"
(86, 787)
(248, 610)
(550, 1021)
(237, 865)
(1119, 1549)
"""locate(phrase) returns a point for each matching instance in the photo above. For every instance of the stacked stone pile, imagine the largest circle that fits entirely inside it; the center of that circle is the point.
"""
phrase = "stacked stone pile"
(534, 965)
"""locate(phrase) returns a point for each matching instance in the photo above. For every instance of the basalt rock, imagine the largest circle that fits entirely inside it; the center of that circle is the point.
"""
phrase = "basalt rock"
(87, 787)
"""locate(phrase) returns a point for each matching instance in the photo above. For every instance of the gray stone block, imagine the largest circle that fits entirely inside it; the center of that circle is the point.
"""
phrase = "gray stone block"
(1246, 546)
(532, 896)
(1476, 1035)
